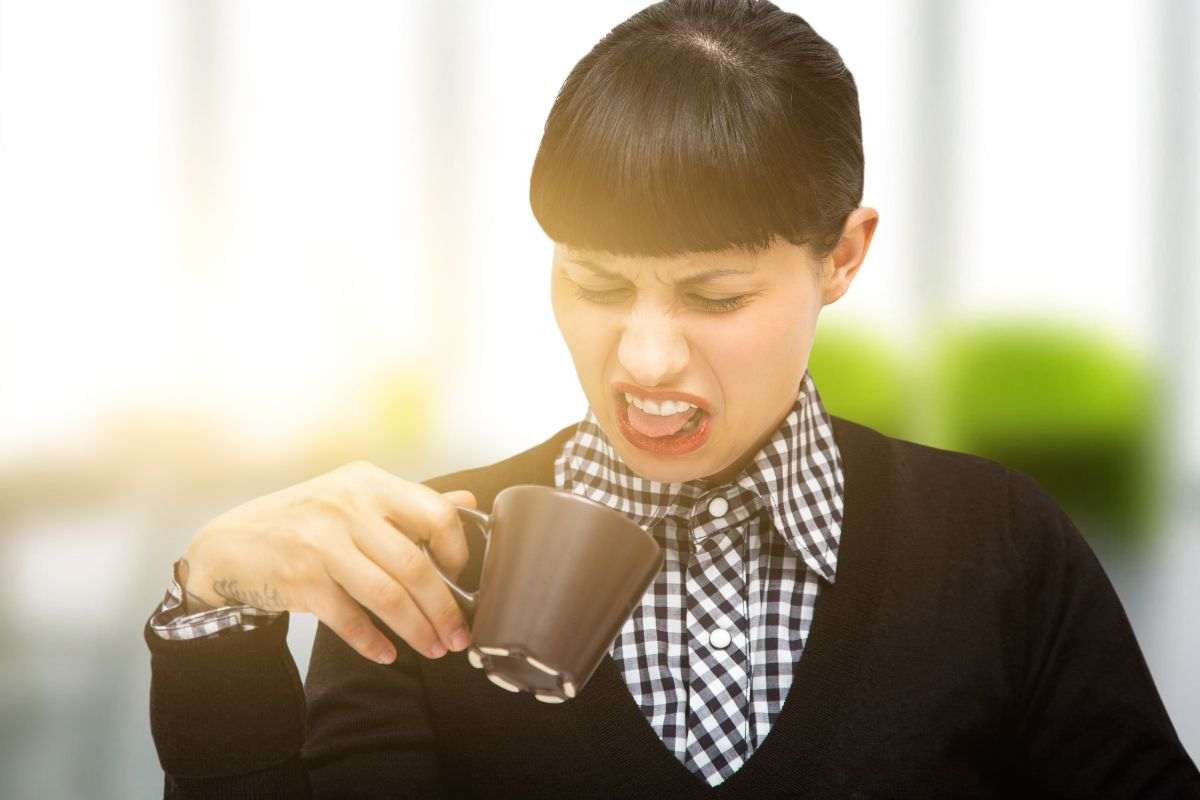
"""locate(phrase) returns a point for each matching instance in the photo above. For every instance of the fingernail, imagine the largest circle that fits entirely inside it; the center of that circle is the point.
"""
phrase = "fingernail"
(460, 639)
(437, 651)
(386, 656)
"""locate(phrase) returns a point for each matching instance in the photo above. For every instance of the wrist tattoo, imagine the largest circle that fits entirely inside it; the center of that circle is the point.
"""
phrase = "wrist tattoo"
(266, 599)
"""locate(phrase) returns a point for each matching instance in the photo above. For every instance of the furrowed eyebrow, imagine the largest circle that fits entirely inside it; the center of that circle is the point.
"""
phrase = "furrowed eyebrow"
(691, 280)
(595, 268)
(712, 274)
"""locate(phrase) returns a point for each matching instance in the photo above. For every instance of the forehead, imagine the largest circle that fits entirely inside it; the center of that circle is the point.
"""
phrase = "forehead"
(732, 261)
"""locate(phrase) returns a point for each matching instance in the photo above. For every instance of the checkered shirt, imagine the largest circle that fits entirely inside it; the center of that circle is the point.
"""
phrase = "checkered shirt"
(172, 620)
(744, 559)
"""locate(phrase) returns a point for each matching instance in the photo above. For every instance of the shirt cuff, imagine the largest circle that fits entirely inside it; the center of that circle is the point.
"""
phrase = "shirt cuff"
(176, 618)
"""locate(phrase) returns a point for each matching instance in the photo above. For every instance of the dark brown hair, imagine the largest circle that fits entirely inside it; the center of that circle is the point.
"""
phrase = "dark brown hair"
(698, 125)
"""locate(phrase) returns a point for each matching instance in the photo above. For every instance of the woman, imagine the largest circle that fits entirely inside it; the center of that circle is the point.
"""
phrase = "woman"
(839, 613)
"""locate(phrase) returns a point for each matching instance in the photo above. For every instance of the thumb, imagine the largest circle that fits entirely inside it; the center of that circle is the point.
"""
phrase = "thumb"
(460, 497)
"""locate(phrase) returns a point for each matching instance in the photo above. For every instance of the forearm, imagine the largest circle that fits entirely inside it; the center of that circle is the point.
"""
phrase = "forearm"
(370, 732)
(228, 711)
(227, 714)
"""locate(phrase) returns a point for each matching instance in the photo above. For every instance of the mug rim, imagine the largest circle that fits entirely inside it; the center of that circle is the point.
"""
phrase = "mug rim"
(571, 495)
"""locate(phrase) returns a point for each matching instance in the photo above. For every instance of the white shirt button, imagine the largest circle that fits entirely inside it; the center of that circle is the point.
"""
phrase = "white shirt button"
(719, 638)
(718, 506)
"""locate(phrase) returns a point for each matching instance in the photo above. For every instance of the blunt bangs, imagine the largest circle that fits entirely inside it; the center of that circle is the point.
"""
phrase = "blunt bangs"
(679, 132)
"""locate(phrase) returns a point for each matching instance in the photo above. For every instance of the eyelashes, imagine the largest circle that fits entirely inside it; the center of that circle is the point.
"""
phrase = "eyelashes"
(719, 305)
(613, 296)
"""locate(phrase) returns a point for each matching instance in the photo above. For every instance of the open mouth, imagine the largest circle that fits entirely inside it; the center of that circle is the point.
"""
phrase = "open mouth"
(663, 434)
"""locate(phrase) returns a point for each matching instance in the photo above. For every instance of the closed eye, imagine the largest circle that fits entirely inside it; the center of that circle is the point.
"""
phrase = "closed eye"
(614, 296)
(719, 304)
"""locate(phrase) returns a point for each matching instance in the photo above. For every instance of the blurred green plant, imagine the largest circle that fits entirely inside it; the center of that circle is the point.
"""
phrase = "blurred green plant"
(860, 377)
(1069, 405)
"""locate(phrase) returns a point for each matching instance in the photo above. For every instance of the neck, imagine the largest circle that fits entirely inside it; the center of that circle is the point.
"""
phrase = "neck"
(727, 474)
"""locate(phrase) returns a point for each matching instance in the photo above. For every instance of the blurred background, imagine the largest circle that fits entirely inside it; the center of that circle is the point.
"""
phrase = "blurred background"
(243, 243)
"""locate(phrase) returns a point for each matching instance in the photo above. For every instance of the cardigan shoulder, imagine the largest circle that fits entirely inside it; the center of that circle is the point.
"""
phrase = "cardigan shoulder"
(917, 466)
(945, 489)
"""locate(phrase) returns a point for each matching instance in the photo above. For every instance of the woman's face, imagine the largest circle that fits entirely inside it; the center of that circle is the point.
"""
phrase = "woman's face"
(731, 331)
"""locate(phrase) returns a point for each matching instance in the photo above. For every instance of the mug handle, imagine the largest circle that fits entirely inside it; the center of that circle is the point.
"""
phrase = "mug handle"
(484, 521)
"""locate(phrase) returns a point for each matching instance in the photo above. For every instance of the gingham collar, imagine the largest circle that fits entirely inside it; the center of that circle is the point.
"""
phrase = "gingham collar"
(797, 475)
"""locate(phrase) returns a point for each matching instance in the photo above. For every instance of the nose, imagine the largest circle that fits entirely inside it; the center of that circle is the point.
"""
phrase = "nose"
(652, 348)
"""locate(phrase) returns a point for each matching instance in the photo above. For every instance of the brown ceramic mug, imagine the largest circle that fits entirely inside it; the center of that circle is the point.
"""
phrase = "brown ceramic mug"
(552, 578)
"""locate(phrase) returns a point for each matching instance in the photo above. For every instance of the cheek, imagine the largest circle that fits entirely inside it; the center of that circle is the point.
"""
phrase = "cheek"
(756, 355)
(560, 306)
(753, 343)
(786, 332)
(566, 316)
(583, 333)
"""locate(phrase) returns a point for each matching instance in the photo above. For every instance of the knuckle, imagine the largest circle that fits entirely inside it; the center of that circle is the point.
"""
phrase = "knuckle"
(345, 498)
(298, 572)
(325, 519)
(411, 565)
(327, 507)
(359, 466)
(359, 632)
(358, 474)
(447, 617)
(387, 594)
(302, 543)
(444, 517)
(286, 540)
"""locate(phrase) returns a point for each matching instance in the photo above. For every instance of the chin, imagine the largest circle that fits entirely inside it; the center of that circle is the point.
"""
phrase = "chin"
(660, 469)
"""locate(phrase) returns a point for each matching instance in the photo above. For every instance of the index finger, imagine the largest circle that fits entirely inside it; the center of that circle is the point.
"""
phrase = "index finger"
(425, 515)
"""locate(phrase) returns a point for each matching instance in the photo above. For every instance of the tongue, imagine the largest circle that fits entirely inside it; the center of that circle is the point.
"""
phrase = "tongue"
(654, 425)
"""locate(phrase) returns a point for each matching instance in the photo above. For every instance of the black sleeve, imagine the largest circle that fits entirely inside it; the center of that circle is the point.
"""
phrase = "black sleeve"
(228, 717)
(1092, 721)
(227, 714)
(369, 727)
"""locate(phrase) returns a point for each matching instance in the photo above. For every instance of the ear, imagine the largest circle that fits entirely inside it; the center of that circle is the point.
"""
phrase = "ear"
(847, 256)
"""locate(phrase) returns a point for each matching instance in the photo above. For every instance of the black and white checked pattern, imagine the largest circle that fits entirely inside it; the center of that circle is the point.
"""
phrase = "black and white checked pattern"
(752, 571)
(172, 621)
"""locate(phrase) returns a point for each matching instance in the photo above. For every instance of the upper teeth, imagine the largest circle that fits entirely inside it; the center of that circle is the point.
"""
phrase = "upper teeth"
(663, 409)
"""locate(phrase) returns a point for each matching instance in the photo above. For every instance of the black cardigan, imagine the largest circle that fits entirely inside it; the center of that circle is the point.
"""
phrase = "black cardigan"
(971, 646)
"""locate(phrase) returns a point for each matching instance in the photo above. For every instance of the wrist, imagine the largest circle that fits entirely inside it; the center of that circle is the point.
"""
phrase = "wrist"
(191, 584)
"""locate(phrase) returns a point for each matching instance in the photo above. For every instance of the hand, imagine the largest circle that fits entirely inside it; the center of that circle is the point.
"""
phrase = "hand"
(352, 534)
